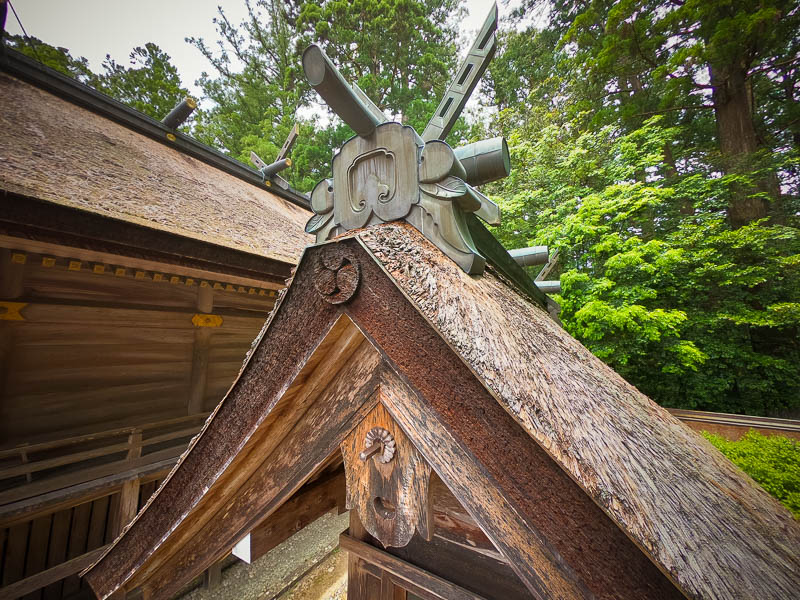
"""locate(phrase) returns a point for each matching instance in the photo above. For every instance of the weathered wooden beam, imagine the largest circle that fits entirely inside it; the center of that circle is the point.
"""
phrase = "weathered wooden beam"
(95, 256)
(438, 587)
(52, 575)
(537, 563)
(30, 508)
(86, 475)
(328, 420)
(545, 545)
(260, 426)
(306, 506)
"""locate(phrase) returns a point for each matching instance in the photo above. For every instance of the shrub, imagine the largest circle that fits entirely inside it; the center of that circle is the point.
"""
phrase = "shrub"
(773, 461)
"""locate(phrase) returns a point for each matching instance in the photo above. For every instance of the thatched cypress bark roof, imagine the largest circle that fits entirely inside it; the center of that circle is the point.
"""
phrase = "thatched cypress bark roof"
(53, 150)
(588, 488)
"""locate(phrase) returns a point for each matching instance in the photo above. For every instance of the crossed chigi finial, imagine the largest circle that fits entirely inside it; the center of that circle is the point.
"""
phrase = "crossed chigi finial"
(388, 172)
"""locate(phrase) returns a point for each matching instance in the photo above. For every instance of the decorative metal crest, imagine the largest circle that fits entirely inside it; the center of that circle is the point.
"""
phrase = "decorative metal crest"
(388, 172)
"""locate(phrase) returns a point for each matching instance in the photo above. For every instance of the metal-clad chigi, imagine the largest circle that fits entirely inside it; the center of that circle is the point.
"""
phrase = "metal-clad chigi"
(485, 161)
(325, 78)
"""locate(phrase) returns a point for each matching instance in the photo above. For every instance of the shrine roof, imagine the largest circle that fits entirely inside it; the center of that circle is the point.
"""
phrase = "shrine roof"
(704, 524)
(68, 145)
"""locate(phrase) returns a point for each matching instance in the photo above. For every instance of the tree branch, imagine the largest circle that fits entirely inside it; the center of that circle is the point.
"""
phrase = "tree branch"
(674, 108)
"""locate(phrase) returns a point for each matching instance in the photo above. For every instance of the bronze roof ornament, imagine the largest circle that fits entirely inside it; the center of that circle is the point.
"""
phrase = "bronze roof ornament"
(388, 172)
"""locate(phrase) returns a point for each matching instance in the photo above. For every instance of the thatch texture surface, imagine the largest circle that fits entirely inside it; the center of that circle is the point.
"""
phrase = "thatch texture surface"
(55, 151)
(705, 523)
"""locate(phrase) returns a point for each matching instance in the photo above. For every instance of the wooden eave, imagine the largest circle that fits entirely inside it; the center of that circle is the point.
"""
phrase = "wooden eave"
(586, 487)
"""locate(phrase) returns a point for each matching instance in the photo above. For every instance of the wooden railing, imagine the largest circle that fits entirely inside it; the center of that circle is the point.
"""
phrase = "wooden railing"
(735, 426)
(55, 465)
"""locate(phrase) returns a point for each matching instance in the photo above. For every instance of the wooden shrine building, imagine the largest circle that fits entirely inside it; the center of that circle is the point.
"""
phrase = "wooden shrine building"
(487, 454)
(411, 372)
(136, 267)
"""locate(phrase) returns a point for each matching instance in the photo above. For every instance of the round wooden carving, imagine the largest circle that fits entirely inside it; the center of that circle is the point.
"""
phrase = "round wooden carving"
(380, 435)
(336, 273)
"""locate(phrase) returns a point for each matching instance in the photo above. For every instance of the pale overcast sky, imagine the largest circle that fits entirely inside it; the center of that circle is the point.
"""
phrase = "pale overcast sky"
(93, 28)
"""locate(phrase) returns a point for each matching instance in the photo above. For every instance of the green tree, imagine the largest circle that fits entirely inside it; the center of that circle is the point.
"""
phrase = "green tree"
(258, 88)
(773, 461)
(54, 57)
(150, 84)
(694, 313)
(402, 53)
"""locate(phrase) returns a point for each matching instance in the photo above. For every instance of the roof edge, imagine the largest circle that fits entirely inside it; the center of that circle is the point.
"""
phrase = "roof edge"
(17, 64)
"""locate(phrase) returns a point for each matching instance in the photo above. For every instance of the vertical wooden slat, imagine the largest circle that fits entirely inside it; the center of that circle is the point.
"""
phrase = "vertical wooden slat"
(77, 542)
(147, 490)
(37, 550)
(212, 577)
(16, 546)
(200, 353)
(57, 552)
(113, 517)
(3, 538)
(127, 506)
(97, 523)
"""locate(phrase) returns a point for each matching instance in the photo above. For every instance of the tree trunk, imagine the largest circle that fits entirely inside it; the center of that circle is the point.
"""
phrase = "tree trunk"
(736, 134)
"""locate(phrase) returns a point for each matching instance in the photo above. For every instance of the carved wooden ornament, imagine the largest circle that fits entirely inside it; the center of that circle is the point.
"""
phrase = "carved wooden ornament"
(387, 480)
(336, 273)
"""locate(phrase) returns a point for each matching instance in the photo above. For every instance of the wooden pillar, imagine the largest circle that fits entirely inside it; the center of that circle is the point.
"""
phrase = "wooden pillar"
(200, 352)
(212, 576)
(129, 495)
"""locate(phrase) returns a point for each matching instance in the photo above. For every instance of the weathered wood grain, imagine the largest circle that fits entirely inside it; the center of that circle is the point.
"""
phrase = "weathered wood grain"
(50, 576)
(344, 403)
(702, 521)
(537, 563)
(391, 498)
(480, 573)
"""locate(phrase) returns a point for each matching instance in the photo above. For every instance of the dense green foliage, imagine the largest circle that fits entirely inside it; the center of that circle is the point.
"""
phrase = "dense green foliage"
(773, 461)
(655, 149)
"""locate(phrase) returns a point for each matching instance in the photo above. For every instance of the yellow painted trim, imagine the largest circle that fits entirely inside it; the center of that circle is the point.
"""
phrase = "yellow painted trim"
(12, 311)
(201, 320)
(19, 258)
(140, 275)
(120, 271)
(99, 268)
(189, 281)
(48, 261)
(174, 279)
(74, 265)
(171, 137)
